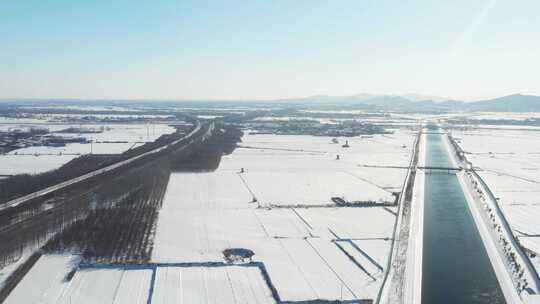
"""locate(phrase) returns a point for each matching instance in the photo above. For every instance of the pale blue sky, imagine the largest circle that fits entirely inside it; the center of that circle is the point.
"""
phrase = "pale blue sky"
(267, 49)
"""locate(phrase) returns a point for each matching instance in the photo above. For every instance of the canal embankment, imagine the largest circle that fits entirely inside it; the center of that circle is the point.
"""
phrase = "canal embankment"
(403, 276)
(515, 273)
(415, 241)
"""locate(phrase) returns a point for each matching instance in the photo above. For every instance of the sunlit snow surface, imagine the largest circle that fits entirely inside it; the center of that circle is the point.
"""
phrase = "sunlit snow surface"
(307, 252)
(46, 283)
(510, 164)
(108, 286)
(204, 213)
(210, 285)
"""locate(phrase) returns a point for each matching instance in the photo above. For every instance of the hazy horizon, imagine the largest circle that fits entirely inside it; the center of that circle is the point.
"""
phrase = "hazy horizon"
(265, 51)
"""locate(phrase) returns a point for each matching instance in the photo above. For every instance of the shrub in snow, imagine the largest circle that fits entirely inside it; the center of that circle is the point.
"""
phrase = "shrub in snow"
(232, 255)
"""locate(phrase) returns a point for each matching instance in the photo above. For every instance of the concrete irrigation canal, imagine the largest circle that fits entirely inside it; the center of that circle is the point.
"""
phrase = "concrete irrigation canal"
(455, 267)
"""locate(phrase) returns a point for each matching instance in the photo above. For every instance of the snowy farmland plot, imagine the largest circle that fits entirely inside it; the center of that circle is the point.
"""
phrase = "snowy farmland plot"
(30, 164)
(47, 283)
(107, 286)
(306, 169)
(234, 284)
(509, 162)
(280, 208)
(44, 283)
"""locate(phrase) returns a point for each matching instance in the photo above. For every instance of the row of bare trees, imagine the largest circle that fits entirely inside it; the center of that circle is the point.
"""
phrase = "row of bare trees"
(121, 231)
(111, 218)
(22, 184)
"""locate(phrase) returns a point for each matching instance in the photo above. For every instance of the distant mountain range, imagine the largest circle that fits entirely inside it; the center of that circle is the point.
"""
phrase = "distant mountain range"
(402, 103)
(422, 103)
(510, 103)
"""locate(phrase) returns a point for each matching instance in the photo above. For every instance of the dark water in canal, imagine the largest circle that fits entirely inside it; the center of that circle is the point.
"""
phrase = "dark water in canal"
(456, 267)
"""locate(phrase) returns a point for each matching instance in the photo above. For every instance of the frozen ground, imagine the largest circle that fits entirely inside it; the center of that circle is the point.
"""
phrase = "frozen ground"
(510, 164)
(322, 252)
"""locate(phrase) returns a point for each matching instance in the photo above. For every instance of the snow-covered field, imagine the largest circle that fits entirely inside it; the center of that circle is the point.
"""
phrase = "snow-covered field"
(322, 252)
(115, 139)
(504, 115)
(115, 286)
(87, 108)
(29, 164)
(510, 164)
(296, 245)
(295, 155)
(234, 284)
(314, 251)
(46, 283)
